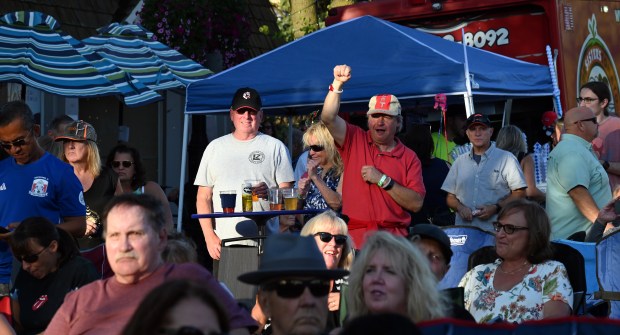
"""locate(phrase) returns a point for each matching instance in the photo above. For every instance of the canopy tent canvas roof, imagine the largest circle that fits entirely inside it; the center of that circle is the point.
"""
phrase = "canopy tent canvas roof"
(385, 58)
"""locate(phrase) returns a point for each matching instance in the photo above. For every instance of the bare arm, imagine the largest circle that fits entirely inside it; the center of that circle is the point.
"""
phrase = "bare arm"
(462, 210)
(204, 205)
(332, 198)
(584, 202)
(527, 165)
(155, 190)
(74, 225)
(336, 125)
(404, 197)
(555, 309)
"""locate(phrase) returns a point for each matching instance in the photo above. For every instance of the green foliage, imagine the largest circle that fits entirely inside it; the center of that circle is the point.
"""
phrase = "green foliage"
(197, 28)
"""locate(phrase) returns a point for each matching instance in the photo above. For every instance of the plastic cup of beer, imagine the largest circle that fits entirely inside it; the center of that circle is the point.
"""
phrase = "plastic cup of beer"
(291, 198)
(229, 199)
(275, 199)
(246, 197)
(253, 183)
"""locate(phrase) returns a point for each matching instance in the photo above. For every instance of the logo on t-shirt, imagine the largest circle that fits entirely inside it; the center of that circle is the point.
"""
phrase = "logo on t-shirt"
(257, 157)
(40, 302)
(39, 187)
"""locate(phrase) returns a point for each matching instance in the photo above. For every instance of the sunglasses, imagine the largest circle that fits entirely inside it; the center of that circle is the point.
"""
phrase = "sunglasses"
(126, 164)
(244, 110)
(316, 148)
(327, 237)
(593, 120)
(185, 330)
(33, 257)
(17, 143)
(508, 228)
(293, 288)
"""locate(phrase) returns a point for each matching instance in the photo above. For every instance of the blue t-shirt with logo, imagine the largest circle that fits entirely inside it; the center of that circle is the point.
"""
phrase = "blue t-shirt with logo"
(46, 187)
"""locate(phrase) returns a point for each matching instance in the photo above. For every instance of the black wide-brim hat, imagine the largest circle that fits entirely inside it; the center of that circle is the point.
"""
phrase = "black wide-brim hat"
(290, 255)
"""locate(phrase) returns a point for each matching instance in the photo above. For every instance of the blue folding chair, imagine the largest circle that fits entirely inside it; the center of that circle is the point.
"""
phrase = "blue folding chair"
(608, 272)
(464, 240)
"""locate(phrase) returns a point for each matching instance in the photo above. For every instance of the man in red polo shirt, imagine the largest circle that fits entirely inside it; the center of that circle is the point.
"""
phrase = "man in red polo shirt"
(382, 177)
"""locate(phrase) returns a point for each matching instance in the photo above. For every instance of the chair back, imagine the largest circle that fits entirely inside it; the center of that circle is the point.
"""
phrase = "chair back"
(234, 261)
(575, 268)
(464, 240)
(588, 252)
(98, 256)
(484, 255)
(608, 272)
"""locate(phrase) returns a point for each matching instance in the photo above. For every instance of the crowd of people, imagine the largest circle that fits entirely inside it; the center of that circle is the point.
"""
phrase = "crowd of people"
(373, 257)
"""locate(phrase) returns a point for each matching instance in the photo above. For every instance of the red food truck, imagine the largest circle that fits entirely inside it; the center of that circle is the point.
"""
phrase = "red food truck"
(584, 35)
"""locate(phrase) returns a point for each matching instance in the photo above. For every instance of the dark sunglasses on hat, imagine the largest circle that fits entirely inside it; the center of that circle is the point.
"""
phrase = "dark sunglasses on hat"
(126, 164)
(293, 288)
(327, 237)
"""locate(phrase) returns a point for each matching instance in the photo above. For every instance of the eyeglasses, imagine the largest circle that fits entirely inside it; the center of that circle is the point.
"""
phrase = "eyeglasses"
(586, 100)
(316, 148)
(293, 288)
(508, 228)
(185, 330)
(17, 143)
(126, 164)
(33, 257)
(327, 237)
(593, 119)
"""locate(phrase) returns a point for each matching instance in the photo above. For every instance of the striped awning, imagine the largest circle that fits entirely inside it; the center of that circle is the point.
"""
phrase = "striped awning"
(132, 48)
(34, 52)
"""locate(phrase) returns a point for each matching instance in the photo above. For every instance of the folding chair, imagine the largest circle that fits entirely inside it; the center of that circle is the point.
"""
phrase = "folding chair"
(98, 256)
(607, 272)
(464, 240)
(235, 260)
(576, 270)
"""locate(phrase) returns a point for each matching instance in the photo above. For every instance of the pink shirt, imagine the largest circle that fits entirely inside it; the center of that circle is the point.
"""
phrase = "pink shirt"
(607, 145)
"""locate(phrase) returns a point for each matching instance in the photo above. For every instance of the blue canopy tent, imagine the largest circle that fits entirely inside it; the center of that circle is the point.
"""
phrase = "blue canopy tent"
(385, 58)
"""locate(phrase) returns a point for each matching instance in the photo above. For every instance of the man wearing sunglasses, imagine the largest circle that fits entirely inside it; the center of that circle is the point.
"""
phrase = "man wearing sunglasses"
(577, 184)
(294, 284)
(382, 177)
(33, 182)
(227, 161)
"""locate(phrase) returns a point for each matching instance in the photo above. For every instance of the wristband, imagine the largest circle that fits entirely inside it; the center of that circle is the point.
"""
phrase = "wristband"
(331, 88)
(499, 207)
(381, 181)
(605, 165)
(389, 185)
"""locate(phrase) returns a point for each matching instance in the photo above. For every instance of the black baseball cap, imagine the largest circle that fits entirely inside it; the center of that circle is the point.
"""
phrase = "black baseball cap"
(246, 97)
(427, 230)
(478, 119)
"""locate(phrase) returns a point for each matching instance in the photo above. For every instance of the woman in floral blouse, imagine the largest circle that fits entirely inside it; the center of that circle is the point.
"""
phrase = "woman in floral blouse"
(523, 284)
(321, 186)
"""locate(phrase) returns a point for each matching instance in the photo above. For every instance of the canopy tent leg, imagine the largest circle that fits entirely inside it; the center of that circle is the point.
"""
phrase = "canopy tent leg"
(183, 167)
(507, 112)
(161, 140)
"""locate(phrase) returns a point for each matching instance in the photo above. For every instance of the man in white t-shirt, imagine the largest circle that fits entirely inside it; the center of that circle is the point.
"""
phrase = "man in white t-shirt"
(227, 161)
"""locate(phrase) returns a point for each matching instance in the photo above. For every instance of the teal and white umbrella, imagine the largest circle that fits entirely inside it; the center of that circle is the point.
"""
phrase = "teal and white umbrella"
(132, 48)
(35, 52)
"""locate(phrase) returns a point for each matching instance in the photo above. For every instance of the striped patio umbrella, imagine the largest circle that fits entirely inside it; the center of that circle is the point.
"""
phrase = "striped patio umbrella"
(34, 52)
(132, 48)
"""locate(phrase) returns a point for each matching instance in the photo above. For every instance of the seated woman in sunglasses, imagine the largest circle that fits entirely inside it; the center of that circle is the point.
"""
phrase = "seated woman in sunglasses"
(523, 284)
(179, 307)
(126, 162)
(331, 235)
(391, 275)
(100, 184)
(50, 268)
(321, 184)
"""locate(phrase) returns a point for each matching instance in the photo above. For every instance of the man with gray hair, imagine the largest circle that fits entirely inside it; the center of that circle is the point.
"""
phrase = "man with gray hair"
(135, 236)
(382, 178)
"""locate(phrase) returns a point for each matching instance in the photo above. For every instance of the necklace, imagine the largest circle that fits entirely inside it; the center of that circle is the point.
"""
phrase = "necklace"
(525, 263)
